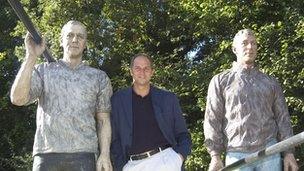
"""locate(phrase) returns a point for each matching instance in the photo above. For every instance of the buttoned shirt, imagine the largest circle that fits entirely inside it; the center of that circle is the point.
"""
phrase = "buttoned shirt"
(68, 100)
(245, 109)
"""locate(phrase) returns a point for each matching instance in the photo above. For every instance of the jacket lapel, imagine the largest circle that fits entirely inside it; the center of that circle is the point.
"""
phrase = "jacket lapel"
(127, 106)
(155, 102)
(157, 106)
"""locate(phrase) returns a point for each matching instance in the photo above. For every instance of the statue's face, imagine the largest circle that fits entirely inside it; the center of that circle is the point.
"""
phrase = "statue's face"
(245, 48)
(74, 40)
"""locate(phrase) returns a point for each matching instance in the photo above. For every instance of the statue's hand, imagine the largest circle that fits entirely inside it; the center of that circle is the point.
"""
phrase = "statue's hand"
(103, 163)
(215, 164)
(33, 50)
(290, 163)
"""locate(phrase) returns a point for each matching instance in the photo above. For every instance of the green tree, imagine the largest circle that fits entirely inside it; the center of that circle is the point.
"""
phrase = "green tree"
(16, 122)
(189, 40)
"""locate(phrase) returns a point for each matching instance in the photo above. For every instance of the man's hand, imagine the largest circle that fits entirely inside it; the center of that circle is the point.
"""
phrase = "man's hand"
(216, 163)
(290, 163)
(181, 156)
(33, 50)
(103, 163)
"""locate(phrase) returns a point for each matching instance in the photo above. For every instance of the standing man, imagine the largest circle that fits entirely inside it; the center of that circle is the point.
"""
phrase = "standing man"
(149, 131)
(246, 112)
(71, 97)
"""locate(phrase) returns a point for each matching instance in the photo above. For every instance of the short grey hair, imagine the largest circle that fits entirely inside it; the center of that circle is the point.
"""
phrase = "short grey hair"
(73, 22)
(241, 32)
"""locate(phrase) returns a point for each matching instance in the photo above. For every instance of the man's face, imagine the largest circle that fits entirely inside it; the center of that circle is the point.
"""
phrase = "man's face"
(74, 40)
(141, 71)
(245, 48)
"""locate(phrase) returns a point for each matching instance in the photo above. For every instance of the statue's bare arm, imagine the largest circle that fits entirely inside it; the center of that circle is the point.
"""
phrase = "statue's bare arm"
(104, 138)
(21, 86)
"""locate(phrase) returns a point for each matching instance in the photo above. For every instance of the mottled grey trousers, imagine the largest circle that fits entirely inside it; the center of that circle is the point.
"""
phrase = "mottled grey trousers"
(64, 162)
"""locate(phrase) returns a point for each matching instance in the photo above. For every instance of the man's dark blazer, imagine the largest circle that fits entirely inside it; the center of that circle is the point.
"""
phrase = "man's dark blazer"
(168, 115)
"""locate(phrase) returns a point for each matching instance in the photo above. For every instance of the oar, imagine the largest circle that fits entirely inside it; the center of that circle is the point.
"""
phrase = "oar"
(16, 5)
(276, 148)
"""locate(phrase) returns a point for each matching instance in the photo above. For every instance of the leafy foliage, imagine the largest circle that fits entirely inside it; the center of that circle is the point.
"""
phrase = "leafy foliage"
(189, 40)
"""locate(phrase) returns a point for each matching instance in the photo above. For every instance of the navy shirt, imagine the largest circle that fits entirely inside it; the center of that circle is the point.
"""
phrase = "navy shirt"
(146, 132)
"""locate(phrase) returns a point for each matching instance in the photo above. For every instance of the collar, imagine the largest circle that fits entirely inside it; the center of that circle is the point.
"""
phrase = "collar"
(65, 64)
(146, 96)
(239, 69)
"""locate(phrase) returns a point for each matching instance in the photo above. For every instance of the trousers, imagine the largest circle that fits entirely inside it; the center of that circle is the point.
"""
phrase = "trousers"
(64, 162)
(166, 160)
(272, 162)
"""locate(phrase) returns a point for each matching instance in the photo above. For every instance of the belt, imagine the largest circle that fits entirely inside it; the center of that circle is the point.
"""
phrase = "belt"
(148, 153)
